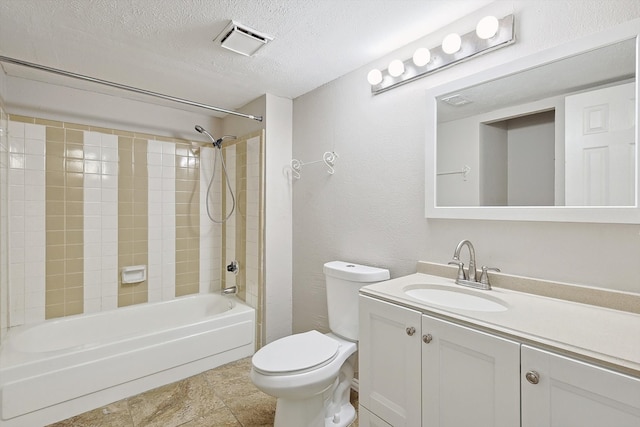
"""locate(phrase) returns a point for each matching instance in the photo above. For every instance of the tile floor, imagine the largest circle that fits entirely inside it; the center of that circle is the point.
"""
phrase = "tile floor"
(223, 396)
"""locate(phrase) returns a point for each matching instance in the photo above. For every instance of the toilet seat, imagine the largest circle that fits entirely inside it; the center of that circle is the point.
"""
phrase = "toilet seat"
(296, 354)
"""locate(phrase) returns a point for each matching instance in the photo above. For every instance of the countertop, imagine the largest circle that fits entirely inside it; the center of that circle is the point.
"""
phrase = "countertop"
(604, 336)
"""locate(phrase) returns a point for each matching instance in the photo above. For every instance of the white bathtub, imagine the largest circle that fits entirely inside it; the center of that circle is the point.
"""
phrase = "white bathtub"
(59, 368)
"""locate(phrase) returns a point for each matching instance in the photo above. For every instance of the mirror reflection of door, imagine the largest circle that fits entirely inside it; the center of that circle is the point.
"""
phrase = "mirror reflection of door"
(600, 147)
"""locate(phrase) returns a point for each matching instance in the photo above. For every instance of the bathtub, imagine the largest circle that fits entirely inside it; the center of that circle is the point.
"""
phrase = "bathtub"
(59, 368)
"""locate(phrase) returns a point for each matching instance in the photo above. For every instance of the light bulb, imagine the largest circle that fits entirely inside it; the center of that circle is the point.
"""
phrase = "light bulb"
(374, 77)
(451, 43)
(421, 57)
(487, 27)
(396, 68)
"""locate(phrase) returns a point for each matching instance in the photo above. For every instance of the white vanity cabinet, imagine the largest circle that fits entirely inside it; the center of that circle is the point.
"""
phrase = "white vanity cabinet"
(564, 392)
(469, 378)
(389, 364)
(417, 370)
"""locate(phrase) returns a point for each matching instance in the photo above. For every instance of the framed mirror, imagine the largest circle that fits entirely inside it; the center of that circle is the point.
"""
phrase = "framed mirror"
(550, 137)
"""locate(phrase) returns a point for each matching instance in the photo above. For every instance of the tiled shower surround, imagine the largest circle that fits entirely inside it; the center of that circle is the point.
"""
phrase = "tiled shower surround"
(85, 202)
(4, 222)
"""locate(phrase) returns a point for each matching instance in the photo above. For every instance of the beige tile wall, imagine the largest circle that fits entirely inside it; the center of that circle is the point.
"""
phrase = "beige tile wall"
(66, 167)
(229, 252)
(243, 234)
(64, 220)
(4, 223)
(241, 217)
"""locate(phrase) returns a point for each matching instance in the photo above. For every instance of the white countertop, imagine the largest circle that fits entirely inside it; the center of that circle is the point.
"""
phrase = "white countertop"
(605, 336)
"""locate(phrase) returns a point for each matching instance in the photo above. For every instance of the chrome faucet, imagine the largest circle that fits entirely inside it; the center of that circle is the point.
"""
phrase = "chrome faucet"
(233, 267)
(470, 279)
(472, 260)
(231, 290)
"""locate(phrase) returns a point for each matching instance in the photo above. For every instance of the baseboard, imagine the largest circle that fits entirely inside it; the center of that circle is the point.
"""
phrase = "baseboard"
(355, 385)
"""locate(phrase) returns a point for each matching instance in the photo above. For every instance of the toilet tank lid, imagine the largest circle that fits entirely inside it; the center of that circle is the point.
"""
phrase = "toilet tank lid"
(355, 272)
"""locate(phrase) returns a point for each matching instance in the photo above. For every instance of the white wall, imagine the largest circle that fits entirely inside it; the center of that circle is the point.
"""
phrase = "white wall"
(531, 163)
(239, 126)
(278, 238)
(503, 153)
(278, 215)
(372, 210)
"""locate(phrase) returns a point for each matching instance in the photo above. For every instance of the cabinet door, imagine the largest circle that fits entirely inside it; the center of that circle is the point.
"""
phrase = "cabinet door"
(570, 393)
(469, 378)
(367, 419)
(389, 368)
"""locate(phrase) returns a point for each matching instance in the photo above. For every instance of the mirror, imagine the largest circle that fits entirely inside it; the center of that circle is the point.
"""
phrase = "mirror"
(551, 137)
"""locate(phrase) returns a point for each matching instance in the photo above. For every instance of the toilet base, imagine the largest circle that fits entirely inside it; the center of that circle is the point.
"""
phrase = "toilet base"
(294, 413)
(331, 408)
(344, 418)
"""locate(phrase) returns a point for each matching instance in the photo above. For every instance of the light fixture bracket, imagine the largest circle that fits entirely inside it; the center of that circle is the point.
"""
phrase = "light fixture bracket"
(472, 46)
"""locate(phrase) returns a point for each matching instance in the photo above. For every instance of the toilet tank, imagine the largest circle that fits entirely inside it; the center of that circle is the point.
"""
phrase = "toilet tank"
(343, 280)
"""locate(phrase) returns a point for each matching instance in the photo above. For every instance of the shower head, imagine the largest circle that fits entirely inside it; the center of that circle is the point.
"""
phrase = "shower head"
(215, 142)
(204, 131)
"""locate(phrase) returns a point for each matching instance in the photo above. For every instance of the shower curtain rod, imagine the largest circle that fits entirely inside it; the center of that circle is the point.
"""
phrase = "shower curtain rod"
(125, 87)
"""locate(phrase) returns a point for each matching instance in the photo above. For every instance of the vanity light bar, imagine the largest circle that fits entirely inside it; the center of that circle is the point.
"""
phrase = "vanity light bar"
(471, 44)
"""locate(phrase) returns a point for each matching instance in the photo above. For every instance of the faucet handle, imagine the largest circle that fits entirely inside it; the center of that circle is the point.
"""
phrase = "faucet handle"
(460, 264)
(484, 277)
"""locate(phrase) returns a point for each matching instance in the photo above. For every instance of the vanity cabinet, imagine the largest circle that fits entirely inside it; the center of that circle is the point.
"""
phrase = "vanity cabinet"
(389, 363)
(560, 391)
(418, 370)
(469, 378)
(366, 418)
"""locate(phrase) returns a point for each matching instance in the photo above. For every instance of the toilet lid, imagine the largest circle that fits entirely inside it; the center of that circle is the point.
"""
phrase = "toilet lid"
(299, 352)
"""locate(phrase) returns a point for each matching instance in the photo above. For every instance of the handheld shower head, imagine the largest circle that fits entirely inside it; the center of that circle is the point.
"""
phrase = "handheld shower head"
(215, 142)
(218, 144)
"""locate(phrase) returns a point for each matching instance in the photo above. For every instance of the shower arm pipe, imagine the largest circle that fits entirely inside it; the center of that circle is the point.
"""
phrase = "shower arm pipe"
(125, 87)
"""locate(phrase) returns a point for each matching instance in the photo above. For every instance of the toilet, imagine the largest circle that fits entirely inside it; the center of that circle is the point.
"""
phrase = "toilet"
(310, 373)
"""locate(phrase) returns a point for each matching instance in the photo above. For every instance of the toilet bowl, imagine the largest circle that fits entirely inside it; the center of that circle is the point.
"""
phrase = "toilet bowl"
(307, 372)
(311, 373)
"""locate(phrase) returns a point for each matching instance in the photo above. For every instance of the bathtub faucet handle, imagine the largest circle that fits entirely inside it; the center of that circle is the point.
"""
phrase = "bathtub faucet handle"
(233, 267)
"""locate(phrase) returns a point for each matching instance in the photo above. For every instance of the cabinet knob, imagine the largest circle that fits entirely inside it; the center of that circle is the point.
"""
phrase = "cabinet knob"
(427, 338)
(533, 377)
(411, 330)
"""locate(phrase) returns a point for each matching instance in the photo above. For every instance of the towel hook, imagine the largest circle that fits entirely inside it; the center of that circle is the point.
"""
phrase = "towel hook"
(328, 158)
(296, 167)
(464, 172)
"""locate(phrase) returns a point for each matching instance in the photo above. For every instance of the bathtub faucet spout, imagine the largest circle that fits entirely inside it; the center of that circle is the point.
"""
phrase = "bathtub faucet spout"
(232, 290)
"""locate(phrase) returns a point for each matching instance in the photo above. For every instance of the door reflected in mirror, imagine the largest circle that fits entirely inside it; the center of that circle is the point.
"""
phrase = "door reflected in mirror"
(559, 134)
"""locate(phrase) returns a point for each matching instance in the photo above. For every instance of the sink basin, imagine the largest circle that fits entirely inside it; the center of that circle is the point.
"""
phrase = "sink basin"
(460, 299)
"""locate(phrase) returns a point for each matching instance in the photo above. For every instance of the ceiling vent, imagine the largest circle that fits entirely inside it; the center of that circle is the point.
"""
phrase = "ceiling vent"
(242, 39)
(456, 100)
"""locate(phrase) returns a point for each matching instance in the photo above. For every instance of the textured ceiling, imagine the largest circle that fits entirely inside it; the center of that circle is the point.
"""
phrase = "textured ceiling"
(166, 46)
